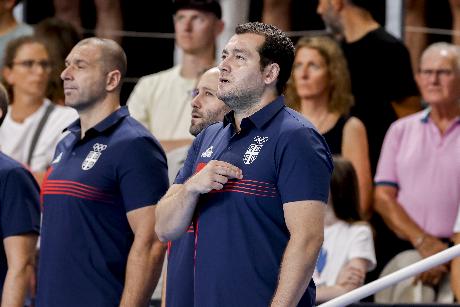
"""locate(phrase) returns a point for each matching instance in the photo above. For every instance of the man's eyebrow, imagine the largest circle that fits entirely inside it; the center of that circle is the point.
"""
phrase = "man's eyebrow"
(238, 50)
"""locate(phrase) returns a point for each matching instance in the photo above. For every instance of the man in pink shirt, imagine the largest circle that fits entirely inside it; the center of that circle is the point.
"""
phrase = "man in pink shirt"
(418, 175)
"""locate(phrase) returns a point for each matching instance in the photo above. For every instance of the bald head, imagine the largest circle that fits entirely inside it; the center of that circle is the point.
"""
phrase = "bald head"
(443, 50)
(111, 54)
(207, 109)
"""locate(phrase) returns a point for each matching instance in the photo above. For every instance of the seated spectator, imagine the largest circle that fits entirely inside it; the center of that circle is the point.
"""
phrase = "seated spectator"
(33, 125)
(19, 227)
(320, 89)
(348, 249)
(161, 101)
(418, 178)
(455, 266)
(60, 37)
(10, 28)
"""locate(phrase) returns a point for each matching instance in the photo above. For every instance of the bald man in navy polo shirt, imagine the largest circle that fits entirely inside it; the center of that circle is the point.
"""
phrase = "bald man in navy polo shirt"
(19, 225)
(254, 186)
(98, 243)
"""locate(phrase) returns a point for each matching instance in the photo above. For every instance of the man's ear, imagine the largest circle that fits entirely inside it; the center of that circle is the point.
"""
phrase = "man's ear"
(218, 28)
(113, 80)
(338, 5)
(271, 73)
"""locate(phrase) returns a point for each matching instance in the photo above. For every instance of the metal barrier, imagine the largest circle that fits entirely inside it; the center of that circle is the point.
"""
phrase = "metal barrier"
(386, 281)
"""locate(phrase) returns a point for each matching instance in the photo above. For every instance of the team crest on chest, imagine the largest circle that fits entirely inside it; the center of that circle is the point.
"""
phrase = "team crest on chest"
(253, 150)
(93, 156)
(207, 153)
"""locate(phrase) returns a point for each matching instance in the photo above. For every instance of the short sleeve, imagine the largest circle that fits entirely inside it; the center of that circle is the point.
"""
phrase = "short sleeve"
(137, 103)
(20, 209)
(304, 166)
(142, 173)
(402, 83)
(187, 170)
(362, 245)
(386, 173)
(457, 223)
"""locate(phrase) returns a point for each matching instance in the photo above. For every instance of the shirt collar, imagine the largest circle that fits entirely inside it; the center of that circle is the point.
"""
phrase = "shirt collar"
(259, 118)
(105, 124)
(426, 116)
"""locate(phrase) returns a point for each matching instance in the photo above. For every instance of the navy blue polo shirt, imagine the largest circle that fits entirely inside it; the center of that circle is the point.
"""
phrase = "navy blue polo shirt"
(94, 182)
(240, 231)
(180, 274)
(19, 205)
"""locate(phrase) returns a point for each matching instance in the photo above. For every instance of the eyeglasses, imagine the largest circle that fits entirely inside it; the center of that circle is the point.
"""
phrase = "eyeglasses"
(441, 73)
(193, 93)
(29, 64)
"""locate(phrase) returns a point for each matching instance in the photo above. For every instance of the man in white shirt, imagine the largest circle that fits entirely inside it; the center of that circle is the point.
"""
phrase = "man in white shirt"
(161, 101)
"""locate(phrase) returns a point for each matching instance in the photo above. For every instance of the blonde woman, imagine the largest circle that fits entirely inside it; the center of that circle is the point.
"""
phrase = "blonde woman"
(320, 89)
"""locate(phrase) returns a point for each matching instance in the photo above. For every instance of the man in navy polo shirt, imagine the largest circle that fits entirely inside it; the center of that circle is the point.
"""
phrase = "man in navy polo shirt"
(254, 186)
(207, 109)
(19, 225)
(98, 243)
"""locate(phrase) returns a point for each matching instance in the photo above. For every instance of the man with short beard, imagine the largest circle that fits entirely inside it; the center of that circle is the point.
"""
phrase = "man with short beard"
(254, 187)
(207, 109)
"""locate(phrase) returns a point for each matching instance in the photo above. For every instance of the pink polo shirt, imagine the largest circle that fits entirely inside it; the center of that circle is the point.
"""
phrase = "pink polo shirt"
(425, 167)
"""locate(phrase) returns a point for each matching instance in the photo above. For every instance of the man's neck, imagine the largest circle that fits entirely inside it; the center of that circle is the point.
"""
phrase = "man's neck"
(443, 116)
(265, 100)
(357, 25)
(194, 64)
(96, 113)
(7, 23)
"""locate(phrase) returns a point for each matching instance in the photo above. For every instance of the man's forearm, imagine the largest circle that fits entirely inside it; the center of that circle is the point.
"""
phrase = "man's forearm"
(174, 212)
(395, 216)
(143, 270)
(16, 285)
(296, 270)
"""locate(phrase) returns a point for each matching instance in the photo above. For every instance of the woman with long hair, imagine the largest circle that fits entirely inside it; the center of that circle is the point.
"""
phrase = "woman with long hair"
(320, 89)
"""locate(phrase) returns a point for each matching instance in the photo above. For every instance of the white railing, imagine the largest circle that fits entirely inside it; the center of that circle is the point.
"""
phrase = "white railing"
(386, 281)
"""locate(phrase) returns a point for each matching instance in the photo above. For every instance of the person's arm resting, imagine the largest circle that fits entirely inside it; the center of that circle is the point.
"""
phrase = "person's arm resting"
(20, 255)
(175, 210)
(304, 220)
(145, 259)
(350, 277)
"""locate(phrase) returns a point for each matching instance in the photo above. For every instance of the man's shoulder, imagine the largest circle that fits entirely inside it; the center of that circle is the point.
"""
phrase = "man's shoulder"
(163, 75)
(381, 37)
(292, 121)
(411, 120)
(7, 163)
(10, 166)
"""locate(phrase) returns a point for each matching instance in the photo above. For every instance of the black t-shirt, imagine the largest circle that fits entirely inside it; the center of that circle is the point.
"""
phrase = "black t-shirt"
(381, 72)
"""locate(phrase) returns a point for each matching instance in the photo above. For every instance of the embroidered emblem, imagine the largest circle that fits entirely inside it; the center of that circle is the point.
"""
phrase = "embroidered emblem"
(253, 150)
(93, 156)
(57, 159)
(207, 153)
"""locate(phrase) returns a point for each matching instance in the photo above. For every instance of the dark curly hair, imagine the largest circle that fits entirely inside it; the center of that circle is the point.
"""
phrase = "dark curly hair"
(277, 48)
(3, 103)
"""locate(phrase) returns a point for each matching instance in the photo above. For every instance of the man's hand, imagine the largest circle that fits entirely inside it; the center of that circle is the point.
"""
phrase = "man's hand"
(430, 246)
(213, 177)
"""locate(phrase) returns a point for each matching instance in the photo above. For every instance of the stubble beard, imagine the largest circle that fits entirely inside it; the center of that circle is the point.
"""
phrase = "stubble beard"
(240, 101)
